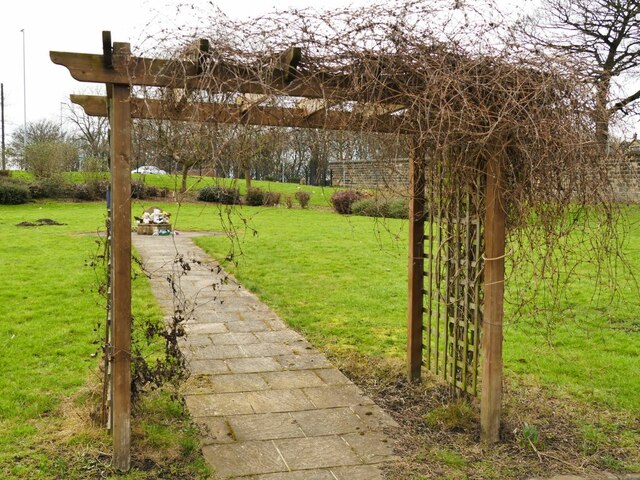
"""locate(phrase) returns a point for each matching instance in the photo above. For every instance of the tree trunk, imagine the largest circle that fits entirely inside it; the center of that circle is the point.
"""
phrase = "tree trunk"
(601, 115)
(247, 177)
(185, 171)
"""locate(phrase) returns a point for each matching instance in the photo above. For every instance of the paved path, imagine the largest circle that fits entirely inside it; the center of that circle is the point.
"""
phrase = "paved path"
(271, 406)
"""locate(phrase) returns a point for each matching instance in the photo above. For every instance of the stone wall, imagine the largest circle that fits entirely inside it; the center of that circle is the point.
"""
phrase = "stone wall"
(387, 174)
(394, 174)
(625, 179)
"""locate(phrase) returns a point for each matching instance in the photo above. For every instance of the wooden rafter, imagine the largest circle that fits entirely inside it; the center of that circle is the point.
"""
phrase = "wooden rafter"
(312, 106)
(379, 109)
(219, 77)
(234, 114)
(248, 101)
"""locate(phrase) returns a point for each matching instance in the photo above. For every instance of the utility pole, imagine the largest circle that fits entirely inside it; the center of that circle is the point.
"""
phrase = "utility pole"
(4, 163)
(24, 88)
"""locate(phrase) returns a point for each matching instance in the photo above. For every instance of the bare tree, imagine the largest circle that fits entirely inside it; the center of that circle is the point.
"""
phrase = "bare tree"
(42, 131)
(91, 133)
(604, 37)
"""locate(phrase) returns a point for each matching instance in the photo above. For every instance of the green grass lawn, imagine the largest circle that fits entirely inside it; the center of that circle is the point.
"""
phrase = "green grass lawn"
(48, 313)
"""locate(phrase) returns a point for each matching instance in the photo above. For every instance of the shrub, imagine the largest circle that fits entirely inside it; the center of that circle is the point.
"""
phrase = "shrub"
(138, 190)
(93, 190)
(229, 196)
(51, 187)
(342, 200)
(254, 197)
(271, 199)
(141, 191)
(50, 158)
(151, 191)
(219, 194)
(392, 208)
(13, 193)
(288, 201)
(94, 166)
(397, 208)
(303, 198)
(366, 207)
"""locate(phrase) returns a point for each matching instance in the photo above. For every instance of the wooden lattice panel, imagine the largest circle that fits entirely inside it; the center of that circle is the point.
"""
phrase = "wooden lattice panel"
(453, 270)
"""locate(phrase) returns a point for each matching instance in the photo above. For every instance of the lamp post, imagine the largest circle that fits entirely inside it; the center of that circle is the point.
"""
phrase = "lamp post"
(24, 89)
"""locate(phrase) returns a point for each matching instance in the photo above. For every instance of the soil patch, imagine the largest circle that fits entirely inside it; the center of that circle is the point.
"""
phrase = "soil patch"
(39, 223)
(543, 433)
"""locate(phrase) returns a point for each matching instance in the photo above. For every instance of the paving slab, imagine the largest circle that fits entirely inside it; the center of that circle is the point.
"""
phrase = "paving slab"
(269, 405)
(218, 404)
(372, 447)
(324, 474)
(334, 421)
(253, 365)
(316, 452)
(293, 379)
(231, 383)
(244, 458)
(359, 472)
(267, 426)
(215, 430)
(279, 401)
(208, 366)
(337, 396)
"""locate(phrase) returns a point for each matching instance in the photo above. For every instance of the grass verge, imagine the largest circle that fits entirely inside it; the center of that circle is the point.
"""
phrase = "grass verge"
(49, 335)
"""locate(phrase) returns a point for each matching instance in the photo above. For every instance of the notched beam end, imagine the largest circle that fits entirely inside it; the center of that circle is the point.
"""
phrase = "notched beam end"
(93, 105)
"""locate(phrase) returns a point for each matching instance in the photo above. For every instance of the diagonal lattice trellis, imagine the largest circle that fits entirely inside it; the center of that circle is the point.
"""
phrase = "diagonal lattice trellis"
(453, 270)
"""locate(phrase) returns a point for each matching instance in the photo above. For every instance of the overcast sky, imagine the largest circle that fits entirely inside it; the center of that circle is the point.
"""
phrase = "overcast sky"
(76, 26)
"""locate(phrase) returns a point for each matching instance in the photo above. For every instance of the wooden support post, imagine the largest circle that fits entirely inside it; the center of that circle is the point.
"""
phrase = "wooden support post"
(416, 261)
(120, 113)
(495, 234)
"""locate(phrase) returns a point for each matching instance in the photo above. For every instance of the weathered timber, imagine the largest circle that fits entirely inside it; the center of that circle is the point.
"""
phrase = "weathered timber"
(495, 234)
(95, 105)
(120, 119)
(312, 106)
(107, 50)
(416, 261)
(288, 62)
(216, 77)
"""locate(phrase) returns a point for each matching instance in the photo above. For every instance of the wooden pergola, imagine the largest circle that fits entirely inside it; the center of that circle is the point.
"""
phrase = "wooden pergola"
(382, 111)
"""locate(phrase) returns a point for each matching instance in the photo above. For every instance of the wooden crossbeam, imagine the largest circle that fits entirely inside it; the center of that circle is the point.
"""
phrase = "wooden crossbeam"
(247, 101)
(218, 77)
(234, 114)
(312, 106)
(378, 109)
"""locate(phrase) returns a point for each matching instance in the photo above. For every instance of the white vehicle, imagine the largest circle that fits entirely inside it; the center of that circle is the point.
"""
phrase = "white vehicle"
(149, 169)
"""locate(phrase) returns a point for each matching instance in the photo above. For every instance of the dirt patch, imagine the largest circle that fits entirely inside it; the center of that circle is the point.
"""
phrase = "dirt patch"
(41, 222)
(542, 434)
